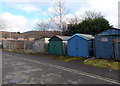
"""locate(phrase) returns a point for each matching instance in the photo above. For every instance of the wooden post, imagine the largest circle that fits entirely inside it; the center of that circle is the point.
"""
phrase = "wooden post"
(24, 45)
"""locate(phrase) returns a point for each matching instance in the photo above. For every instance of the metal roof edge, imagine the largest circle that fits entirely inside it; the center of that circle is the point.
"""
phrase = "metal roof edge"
(107, 30)
(55, 36)
(79, 36)
(42, 38)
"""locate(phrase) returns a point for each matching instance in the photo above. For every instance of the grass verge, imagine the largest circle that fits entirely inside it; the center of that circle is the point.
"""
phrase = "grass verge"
(21, 51)
(66, 58)
(103, 63)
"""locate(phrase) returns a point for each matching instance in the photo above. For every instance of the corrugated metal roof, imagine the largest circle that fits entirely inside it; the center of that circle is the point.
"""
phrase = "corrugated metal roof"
(85, 36)
(64, 38)
(16, 40)
(42, 37)
(111, 31)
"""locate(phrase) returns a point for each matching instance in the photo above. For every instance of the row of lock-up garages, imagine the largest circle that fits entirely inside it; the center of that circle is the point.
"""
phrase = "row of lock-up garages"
(103, 45)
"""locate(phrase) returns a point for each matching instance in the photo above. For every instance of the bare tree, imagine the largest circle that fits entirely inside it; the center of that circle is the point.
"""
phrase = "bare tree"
(2, 24)
(45, 26)
(92, 15)
(42, 26)
(74, 20)
(58, 14)
(56, 18)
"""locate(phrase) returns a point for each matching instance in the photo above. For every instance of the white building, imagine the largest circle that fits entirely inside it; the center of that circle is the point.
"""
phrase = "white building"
(41, 45)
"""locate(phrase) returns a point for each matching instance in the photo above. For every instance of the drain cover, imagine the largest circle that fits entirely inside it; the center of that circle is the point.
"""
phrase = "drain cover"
(15, 81)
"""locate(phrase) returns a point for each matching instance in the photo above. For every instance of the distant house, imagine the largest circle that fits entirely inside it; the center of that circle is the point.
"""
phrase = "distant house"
(31, 39)
(41, 44)
(20, 38)
(107, 44)
(13, 44)
(1, 42)
(5, 43)
(18, 43)
(80, 45)
(29, 43)
(58, 45)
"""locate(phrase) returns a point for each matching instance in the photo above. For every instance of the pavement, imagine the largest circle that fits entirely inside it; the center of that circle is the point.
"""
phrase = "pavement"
(31, 69)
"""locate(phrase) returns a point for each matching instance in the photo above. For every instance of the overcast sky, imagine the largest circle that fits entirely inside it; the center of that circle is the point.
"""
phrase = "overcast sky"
(21, 15)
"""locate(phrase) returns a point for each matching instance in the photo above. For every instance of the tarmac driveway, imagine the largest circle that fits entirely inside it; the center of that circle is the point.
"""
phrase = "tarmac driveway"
(27, 69)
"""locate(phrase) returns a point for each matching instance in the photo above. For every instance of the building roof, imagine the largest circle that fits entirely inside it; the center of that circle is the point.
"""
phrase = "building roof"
(42, 37)
(12, 39)
(63, 38)
(16, 40)
(85, 36)
(111, 31)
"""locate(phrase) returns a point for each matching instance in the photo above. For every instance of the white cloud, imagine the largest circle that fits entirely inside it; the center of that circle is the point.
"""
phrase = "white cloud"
(15, 22)
(67, 17)
(36, 20)
(27, 7)
(109, 9)
(30, 8)
(50, 9)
